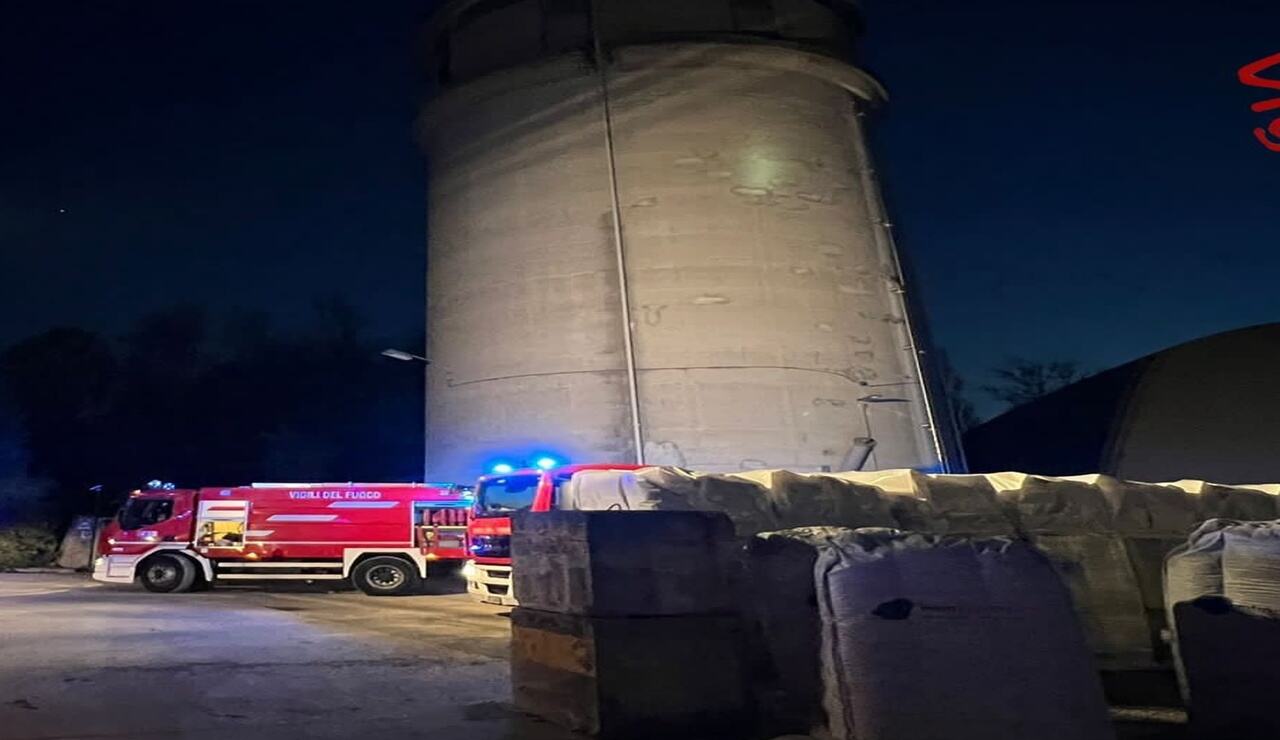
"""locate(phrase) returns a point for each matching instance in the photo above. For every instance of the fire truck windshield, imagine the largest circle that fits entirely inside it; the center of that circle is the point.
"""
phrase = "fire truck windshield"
(499, 496)
(142, 512)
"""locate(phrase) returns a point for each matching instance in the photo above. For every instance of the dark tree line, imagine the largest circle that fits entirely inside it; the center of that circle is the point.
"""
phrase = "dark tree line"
(1014, 382)
(200, 400)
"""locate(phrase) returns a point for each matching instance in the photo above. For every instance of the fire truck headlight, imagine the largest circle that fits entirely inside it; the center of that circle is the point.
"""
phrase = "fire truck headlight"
(469, 569)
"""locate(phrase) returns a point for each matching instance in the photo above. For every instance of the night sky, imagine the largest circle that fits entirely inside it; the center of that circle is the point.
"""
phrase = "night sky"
(1071, 180)
(231, 154)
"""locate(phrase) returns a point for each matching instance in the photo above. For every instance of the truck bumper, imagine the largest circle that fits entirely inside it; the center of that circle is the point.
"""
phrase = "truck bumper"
(490, 584)
(116, 568)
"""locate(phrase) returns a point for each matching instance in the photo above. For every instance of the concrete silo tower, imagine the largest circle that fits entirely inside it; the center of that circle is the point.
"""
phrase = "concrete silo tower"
(656, 236)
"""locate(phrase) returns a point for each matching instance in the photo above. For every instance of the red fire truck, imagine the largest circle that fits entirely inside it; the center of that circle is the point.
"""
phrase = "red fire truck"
(488, 573)
(380, 536)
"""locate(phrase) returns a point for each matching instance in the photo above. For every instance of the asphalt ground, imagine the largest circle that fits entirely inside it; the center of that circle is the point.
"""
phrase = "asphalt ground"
(80, 659)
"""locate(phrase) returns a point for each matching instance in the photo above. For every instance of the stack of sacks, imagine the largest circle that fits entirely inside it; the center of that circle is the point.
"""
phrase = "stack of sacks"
(1271, 489)
(923, 637)
(1074, 524)
(819, 499)
(1243, 503)
(1223, 594)
(745, 502)
(1151, 520)
(600, 490)
(964, 505)
(940, 504)
(767, 500)
(902, 490)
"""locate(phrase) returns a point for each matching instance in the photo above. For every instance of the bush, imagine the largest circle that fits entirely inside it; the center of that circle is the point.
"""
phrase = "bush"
(26, 546)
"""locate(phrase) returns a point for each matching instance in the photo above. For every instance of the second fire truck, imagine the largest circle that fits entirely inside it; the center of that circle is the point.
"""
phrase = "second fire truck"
(498, 496)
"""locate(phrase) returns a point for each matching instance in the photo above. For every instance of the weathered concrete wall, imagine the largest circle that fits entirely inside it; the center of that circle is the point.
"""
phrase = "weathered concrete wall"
(524, 332)
(767, 323)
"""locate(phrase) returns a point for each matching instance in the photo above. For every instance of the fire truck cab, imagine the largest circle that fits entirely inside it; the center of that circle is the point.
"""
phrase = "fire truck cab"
(497, 497)
(380, 536)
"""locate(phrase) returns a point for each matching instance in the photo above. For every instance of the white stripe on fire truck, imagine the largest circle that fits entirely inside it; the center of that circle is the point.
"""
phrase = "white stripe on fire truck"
(380, 543)
(259, 533)
(364, 504)
(302, 517)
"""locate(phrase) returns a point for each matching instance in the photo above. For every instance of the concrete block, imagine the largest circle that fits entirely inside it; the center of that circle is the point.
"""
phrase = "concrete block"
(628, 563)
(78, 544)
(631, 677)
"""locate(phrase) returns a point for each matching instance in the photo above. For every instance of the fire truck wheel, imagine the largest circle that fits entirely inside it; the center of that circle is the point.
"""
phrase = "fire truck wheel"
(166, 574)
(385, 576)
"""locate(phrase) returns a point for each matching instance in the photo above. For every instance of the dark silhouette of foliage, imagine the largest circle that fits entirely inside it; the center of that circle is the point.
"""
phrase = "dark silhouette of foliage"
(184, 398)
(1019, 381)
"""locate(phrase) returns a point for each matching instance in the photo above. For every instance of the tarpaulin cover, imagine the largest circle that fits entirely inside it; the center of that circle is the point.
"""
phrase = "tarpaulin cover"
(965, 504)
(600, 490)
(1245, 503)
(1105, 591)
(745, 502)
(1146, 508)
(1057, 505)
(820, 500)
(1074, 523)
(1107, 538)
(1151, 519)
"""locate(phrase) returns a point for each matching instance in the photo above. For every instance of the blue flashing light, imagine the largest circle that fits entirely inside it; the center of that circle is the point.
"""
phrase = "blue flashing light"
(546, 463)
(501, 469)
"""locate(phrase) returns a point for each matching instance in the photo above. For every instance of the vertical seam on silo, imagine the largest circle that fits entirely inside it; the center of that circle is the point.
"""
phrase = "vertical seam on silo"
(879, 218)
(633, 384)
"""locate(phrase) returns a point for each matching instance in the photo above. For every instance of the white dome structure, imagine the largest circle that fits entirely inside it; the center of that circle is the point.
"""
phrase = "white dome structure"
(1208, 409)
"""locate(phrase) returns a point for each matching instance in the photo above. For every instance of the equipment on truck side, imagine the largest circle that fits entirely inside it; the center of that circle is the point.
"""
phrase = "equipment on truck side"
(488, 573)
(380, 536)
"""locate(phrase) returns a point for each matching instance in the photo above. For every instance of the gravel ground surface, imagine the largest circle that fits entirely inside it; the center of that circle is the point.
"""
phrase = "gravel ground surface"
(83, 660)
